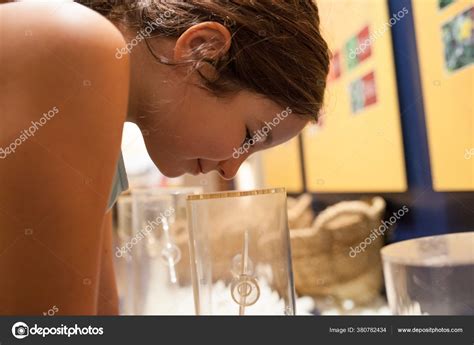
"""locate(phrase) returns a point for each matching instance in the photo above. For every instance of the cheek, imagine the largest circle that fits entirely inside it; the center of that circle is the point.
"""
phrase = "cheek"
(220, 146)
(203, 142)
(212, 137)
(198, 127)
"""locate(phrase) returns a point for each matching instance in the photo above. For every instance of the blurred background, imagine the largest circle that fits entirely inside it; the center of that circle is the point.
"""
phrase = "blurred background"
(392, 157)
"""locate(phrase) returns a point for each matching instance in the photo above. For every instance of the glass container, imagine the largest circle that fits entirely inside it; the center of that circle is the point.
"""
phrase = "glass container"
(123, 259)
(240, 251)
(431, 275)
(162, 284)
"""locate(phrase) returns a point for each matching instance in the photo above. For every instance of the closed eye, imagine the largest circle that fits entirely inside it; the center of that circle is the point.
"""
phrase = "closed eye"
(248, 136)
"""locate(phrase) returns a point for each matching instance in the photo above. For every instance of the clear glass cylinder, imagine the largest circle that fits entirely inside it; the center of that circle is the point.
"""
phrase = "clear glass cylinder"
(431, 275)
(240, 251)
(160, 254)
(122, 259)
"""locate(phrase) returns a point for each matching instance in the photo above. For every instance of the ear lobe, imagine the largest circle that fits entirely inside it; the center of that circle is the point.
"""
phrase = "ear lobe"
(207, 40)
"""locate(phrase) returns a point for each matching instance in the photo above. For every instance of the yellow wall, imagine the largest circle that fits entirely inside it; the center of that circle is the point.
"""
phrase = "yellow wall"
(282, 167)
(360, 152)
(448, 98)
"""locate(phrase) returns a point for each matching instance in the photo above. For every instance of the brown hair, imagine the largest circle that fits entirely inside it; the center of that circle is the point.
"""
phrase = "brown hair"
(277, 49)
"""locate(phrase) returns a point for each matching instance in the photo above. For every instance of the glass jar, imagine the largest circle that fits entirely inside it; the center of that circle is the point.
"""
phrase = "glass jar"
(431, 275)
(240, 251)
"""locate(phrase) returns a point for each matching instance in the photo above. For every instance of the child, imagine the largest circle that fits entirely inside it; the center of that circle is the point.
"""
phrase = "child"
(201, 79)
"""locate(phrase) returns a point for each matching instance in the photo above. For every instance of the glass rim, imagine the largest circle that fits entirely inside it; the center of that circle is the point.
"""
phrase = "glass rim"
(234, 193)
(394, 253)
(165, 190)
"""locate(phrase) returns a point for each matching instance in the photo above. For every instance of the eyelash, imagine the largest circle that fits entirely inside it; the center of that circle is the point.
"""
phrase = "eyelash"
(248, 136)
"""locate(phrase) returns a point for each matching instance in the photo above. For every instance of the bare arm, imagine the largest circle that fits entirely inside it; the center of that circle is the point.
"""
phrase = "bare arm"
(59, 61)
(108, 298)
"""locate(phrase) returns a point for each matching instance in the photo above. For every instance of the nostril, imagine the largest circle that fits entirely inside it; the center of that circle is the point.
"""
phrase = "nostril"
(225, 174)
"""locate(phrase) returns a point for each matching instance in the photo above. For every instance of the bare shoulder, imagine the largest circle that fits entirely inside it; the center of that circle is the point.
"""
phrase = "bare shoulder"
(64, 16)
(69, 30)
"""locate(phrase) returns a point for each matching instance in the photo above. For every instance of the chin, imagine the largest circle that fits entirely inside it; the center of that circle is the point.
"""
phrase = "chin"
(171, 172)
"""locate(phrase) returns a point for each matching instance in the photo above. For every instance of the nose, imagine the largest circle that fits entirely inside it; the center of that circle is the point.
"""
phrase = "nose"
(229, 168)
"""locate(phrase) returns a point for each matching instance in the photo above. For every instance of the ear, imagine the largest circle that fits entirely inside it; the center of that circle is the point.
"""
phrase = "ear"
(213, 36)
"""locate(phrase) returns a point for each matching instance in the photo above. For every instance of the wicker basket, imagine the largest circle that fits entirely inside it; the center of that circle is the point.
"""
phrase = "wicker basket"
(300, 212)
(321, 261)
